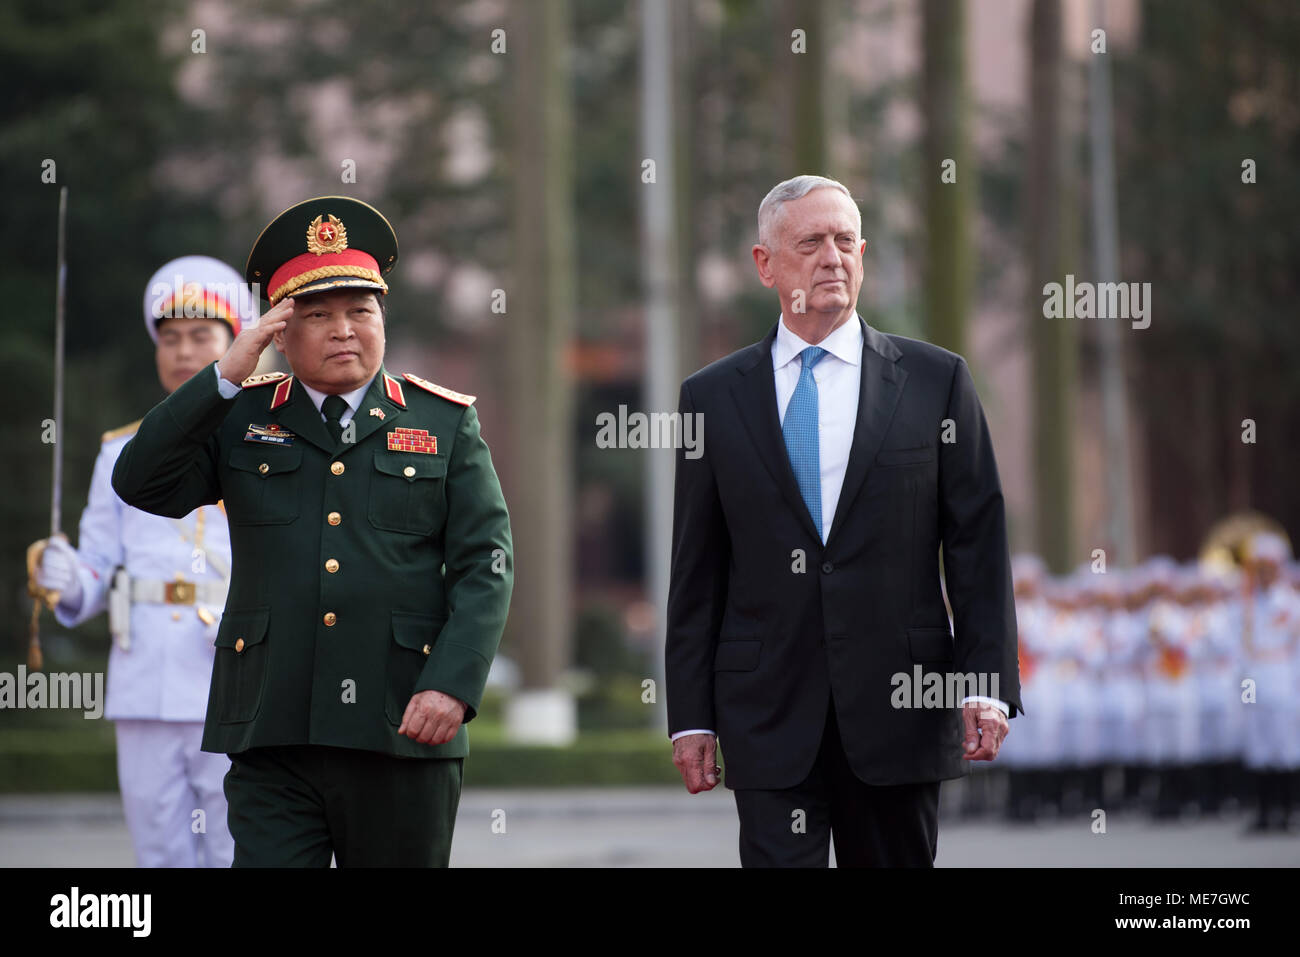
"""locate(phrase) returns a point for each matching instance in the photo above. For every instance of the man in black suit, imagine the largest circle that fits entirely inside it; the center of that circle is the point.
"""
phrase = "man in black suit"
(805, 610)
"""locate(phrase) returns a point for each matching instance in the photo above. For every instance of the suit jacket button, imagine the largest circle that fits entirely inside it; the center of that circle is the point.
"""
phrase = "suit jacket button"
(409, 471)
(336, 468)
(827, 568)
(239, 645)
(330, 618)
(333, 518)
(426, 649)
(264, 468)
(332, 565)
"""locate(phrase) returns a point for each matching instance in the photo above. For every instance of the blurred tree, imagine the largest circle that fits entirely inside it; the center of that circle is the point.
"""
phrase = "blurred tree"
(89, 87)
(541, 387)
(948, 173)
(1207, 88)
(1052, 340)
(803, 88)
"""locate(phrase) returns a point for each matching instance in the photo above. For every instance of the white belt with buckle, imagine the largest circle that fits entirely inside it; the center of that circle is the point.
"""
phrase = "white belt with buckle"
(178, 592)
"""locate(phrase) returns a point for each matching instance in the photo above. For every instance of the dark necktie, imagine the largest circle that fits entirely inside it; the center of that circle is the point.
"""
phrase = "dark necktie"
(334, 408)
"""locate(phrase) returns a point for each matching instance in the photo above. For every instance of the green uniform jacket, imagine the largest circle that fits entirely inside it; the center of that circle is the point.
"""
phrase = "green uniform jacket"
(361, 573)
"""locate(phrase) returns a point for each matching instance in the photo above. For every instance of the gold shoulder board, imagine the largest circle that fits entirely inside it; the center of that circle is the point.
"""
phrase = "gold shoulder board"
(460, 398)
(263, 379)
(129, 429)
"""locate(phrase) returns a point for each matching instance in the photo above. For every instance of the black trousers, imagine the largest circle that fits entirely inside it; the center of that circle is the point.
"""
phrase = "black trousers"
(294, 806)
(872, 826)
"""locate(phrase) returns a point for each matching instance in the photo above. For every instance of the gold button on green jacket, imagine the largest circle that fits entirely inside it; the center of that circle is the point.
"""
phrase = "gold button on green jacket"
(363, 572)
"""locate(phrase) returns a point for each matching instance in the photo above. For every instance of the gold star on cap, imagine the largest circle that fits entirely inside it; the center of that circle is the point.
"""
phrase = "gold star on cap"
(327, 237)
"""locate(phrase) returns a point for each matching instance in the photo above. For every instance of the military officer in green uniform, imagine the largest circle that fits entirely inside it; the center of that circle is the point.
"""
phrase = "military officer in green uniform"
(371, 550)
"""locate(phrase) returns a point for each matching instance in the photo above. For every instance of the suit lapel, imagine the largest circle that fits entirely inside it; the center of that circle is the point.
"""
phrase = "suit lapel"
(882, 384)
(755, 396)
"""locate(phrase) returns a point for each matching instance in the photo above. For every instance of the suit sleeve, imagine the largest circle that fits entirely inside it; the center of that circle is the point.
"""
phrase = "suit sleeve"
(170, 466)
(697, 587)
(479, 561)
(976, 559)
(99, 544)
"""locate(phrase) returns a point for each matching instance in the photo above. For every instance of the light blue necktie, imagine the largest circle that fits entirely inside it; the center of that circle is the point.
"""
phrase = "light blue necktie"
(800, 430)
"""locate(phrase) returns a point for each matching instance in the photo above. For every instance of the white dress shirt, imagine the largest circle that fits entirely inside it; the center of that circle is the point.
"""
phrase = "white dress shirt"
(838, 375)
(839, 378)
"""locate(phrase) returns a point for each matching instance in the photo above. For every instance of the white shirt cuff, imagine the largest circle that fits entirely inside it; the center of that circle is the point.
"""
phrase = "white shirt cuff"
(682, 734)
(997, 703)
(228, 390)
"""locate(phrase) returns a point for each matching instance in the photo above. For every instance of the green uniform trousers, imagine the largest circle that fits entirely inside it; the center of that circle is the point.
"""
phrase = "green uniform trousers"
(292, 805)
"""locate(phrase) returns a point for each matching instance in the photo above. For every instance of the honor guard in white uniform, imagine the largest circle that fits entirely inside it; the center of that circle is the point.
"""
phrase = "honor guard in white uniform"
(1217, 663)
(1272, 647)
(163, 582)
(1172, 705)
(1025, 758)
(1124, 690)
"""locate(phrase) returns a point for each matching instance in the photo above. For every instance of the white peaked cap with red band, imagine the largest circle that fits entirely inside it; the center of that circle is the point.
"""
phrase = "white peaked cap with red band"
(197, 287)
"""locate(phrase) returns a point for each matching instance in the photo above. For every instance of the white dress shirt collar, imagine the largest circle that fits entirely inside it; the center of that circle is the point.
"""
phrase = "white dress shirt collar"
(844, 343)
(353, 399)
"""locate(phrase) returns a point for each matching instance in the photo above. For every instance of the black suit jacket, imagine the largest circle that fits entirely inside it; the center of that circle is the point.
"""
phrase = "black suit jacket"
(757, 648)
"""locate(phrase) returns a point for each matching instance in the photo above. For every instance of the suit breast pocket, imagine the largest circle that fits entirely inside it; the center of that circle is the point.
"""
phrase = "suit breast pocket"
(260, 485)
(408, 492)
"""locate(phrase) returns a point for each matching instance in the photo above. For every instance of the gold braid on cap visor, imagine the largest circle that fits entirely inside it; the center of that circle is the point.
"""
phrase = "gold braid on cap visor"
(324, 272)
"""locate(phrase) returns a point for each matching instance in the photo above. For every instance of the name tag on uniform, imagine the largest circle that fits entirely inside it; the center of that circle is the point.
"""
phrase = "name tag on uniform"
(412, 440)
(274, 434)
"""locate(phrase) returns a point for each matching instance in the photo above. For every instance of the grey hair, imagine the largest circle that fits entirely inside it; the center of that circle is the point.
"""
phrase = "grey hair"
(769, 211)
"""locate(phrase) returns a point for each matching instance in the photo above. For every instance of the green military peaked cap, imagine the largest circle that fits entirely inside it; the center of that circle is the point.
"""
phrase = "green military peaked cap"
(325, 243)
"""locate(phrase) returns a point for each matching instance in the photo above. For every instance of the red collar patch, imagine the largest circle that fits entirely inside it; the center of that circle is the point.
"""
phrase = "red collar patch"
(282, 393)
(394, 390)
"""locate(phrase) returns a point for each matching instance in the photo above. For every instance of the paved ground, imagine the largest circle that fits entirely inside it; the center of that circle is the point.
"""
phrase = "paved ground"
(665, 827)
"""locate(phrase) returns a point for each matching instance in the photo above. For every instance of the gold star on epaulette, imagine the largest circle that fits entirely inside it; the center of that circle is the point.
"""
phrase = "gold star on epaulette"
(459, 398)
(263, 379)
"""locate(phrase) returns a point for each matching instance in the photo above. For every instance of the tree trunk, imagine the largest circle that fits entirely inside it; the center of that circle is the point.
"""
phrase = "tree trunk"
(944, 106)
(541, 319)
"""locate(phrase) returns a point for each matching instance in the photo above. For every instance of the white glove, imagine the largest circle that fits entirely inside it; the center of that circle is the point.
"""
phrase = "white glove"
(58, 572)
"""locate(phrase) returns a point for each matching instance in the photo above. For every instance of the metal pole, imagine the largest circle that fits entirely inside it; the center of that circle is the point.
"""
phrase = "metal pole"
(56, 485)
(658, 207)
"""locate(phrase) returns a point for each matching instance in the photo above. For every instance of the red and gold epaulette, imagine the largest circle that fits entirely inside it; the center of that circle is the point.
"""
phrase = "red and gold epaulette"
(460, 398)
(265, 379)
(129, 429)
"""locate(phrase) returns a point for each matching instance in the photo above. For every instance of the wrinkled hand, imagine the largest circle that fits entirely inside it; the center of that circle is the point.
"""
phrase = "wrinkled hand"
(432, 717)
(694, 755)
(240, 359)
(58, 571)
(986, 729)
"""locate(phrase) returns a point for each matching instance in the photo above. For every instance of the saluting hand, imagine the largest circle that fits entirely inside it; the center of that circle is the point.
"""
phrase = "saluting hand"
(432, 717)
(241, 358)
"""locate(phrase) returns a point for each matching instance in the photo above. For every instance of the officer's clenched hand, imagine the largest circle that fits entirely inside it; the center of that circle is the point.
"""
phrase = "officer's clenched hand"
(241, 358)
(432, 717)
